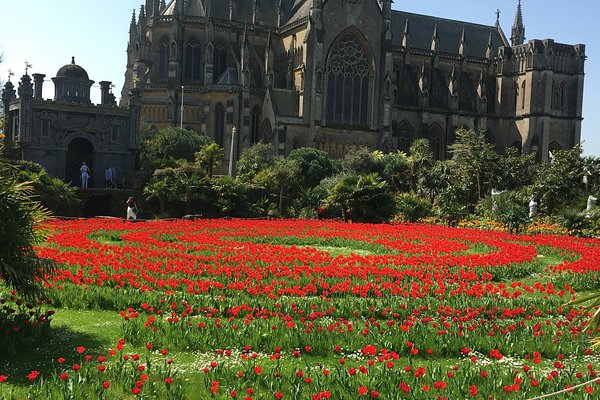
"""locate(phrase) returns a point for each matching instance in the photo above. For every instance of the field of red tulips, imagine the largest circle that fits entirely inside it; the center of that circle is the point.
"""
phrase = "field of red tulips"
(316, 310)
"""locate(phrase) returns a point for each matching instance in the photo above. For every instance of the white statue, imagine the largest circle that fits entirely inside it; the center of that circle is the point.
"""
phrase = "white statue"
(590, 203)
(533, 206)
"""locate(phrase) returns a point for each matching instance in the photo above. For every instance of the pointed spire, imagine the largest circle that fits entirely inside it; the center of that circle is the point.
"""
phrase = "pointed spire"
(208, 9)
(406, 35)
(452, 87)
(254, 12)
(231, 10)
(149, 7)
(463, 42)
(142, 21)
(518, 29)
(434, 38)
(280, 13)
(423, 79)
(387, 9)
(245, 36)
(269, 61)
(269, 38)
(490, 47)
(133, 21)
(481, 89)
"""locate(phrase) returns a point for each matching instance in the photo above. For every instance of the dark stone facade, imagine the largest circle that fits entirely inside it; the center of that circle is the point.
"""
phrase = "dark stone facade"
(62, 133)
(336, 73)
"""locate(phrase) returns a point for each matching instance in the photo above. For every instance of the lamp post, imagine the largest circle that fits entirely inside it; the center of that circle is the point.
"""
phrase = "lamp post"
(181, 117)
(233, 130)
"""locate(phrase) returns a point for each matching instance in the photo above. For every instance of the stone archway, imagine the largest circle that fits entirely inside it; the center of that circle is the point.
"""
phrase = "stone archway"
(79, 150)
(266, 132)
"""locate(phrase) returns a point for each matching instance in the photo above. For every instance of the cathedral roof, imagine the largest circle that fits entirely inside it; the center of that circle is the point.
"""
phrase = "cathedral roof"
(191, 7)
(285, 102)
(72, 70)
(449, 33)
(242, 11)
(228, 77)
(299, 10)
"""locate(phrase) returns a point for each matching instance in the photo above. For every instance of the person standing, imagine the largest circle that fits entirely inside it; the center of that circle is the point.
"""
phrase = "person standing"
(132, 209)
(108, 176)
(85, 175)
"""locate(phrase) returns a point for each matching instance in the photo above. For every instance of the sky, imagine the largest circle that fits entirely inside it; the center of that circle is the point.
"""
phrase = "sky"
(47, 33)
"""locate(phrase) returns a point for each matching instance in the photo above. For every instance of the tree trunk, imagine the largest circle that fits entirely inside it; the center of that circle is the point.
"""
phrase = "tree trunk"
(281, 200)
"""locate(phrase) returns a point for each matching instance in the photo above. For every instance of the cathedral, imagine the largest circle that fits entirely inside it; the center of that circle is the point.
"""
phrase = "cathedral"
(332, 74)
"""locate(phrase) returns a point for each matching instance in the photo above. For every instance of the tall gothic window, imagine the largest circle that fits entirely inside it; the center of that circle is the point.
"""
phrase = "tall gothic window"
(523, 87)
(402, 136)
(219, 61)
(266, 132)
(436, 141)
(163, 61)
(466, 100)
(348, 82)
(192, 64)
(220, 124)
(407, 87)
(515, 94)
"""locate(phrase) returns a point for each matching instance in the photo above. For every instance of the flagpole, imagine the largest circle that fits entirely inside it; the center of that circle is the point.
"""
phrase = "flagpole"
(181, 118)
(233, 130)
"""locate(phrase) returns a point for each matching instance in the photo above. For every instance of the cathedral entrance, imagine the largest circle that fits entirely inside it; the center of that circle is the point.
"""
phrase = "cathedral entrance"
(80, 150)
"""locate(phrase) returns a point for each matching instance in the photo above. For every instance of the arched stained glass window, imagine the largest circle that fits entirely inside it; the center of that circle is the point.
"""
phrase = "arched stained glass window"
(192, 62)
(219, 61)
(163, 61)
(402, 136)
(436, 142)
(348, 82)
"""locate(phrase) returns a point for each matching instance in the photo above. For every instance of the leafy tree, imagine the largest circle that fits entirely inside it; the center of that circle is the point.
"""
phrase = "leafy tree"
(573, 220)
(412, 208)
(514, 169)
(161, 149)
(54, 194)
(254, 159)
(364, 198)
(557, 183)
(396, 170)
(510, 209)
(360, 160)
(20, 267)
(473, 162)
(451, 203)
(232, 197)
(209, 156)
(315, 165)
(186, 183)
(283, 176)
(434, 180)
(420, 159)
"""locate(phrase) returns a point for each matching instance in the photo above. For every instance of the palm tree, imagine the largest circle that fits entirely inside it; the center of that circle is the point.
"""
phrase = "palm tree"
(209, 157)
(20, 268)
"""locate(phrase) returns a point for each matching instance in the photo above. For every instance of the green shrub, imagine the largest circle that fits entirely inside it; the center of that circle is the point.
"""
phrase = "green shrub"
(412, 208)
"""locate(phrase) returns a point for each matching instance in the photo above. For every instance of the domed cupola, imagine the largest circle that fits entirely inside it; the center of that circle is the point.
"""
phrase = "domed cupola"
(72, 84)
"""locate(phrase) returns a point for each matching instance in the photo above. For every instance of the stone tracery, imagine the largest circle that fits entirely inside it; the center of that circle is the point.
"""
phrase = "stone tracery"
(348, 81)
